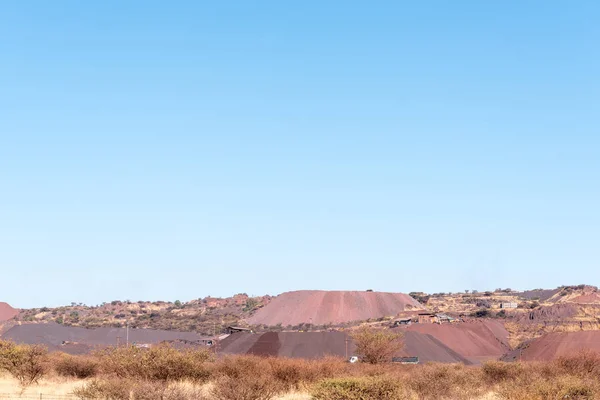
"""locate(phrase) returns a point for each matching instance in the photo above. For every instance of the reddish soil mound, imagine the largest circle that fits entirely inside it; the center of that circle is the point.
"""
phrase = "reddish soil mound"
(331, 307)
(556, 312)
(7, 312)
(555, 345)
(590, 298)
(477, 341)
(321, 344)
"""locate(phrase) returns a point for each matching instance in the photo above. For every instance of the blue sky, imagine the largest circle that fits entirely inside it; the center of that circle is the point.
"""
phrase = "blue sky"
(172, 151)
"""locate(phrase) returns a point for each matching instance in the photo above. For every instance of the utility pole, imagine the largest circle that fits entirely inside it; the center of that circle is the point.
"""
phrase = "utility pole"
(346, 342)
(520, 355)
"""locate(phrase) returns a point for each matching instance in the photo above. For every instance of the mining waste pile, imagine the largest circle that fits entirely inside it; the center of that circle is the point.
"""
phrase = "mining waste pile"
(477, 341)
(318, 307)
(312, 345)
(76, 340)
(7, 312)
(554, 345)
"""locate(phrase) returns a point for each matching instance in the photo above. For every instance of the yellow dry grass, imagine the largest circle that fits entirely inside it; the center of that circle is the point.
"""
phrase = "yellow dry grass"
(57, 386)
(54, 386)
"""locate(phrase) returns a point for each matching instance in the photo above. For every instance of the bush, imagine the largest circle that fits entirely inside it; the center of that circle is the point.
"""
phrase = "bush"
(585, 363)
(246, 387)
(163, 391)
(124, 389)
(481, 313)
(564, 387)
(113, 389)
(496, 371)
(446, 381)
(257, 378)
(483, 303)
(25, 363)
(360, 389)
(377, 346)
(292, 374)
(163, 363)
(76, 367)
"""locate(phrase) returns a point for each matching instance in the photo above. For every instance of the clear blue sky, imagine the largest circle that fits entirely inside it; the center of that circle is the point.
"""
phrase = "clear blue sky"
(173, 150)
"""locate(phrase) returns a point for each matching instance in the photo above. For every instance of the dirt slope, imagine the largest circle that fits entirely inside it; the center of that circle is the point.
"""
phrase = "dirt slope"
(320, 344)
(477, 341)
(331, 307)
(7, 312)
(555, 345)
(83, 340)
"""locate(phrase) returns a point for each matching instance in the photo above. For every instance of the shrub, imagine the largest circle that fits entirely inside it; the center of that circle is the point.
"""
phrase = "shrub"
(360, 389)
(113, 389)
(291, 374)
(25, 363)
(237, 366)
(162, 362)
(163, 391)
(483, 313)
(76, 366)
(376, 346)
(483, 303)
(446, 381)
(496, 371)
(563, 387)
(246, 387)
(124, 389)
(584, 363)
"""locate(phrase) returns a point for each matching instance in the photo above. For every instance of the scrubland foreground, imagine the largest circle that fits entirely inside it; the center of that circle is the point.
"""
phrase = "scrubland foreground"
(166, 373)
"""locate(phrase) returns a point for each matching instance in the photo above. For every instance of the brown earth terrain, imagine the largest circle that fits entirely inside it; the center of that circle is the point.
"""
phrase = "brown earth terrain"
(476, 340)
(75, 340)
(553, 345)
(205, 316)
(7, 312)
(321, 344)
(318, 307)
(489, 325)
(558, 317)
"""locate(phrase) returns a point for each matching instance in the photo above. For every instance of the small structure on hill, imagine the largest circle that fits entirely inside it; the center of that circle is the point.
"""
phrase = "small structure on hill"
(508, 305)
(235, 329)
(402, 321)
(405, 360)
(444, 319)
(427, 318)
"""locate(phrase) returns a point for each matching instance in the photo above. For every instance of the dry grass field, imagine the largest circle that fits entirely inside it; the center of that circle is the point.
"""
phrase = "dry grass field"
(165, 373)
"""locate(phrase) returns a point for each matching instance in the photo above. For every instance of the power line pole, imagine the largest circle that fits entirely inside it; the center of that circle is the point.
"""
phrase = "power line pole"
(346, 342)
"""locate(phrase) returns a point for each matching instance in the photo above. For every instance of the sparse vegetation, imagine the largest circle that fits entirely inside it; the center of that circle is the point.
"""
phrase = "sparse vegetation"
(363, 388)
(159, 363)
(157, 373)
(201, 315)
